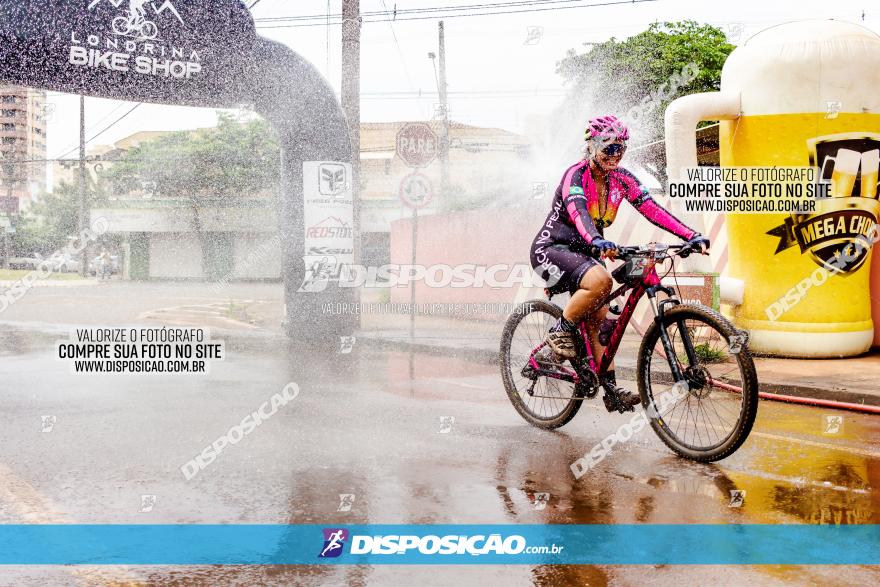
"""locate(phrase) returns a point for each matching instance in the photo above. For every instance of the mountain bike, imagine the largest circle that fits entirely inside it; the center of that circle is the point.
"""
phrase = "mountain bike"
(695, 375)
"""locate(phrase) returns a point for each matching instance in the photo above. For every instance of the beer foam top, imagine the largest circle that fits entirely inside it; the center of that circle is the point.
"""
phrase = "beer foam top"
(800, 67)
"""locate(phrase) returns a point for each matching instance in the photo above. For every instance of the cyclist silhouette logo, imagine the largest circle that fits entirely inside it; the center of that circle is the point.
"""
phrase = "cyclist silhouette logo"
(135, 24)
(541, 500)
(48, 422)
(833, 424)
(346, 501)
(137, 21)
(334, 541)
(318, 274)
(737, 498)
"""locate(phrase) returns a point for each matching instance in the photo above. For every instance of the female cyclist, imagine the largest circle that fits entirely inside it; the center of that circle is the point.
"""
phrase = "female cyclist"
(568, 250)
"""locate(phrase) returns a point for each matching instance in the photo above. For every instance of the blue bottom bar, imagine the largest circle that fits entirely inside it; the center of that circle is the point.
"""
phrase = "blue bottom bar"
(268, 544)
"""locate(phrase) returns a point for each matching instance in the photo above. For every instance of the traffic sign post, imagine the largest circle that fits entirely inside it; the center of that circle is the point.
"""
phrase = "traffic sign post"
(417, 144)
(416, 192)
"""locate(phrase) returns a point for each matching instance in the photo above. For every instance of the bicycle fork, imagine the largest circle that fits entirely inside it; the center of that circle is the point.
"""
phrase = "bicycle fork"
(658, 309)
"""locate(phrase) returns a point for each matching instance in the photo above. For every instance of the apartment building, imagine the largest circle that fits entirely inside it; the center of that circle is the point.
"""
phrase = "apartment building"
(23, 117)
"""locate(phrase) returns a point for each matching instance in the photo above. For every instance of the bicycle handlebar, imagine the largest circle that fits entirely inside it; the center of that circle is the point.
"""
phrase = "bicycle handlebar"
(656, 249)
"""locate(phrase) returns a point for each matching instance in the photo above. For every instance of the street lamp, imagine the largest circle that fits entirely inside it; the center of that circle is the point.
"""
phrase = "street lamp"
(433, 57)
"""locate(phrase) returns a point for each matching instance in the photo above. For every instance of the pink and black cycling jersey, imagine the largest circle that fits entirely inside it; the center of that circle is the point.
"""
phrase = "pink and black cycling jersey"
(578, 195)
(561, 252)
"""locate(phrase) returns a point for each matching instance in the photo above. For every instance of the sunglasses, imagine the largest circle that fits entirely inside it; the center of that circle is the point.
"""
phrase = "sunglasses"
(615, 149)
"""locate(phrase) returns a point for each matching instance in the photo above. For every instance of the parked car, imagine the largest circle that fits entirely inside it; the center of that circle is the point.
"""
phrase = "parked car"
(27, 263)
(23, 263)
(95, 265)
(64, 263)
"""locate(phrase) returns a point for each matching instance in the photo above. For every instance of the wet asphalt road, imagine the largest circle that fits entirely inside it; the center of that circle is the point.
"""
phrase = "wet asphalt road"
(369, 424)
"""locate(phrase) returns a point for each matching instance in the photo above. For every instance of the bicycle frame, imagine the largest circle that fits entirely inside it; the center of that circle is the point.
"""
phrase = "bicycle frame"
(649, 284)
(650, 280)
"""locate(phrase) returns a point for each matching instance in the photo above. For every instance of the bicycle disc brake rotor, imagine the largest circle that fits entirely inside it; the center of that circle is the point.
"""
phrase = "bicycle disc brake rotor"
(698, 379)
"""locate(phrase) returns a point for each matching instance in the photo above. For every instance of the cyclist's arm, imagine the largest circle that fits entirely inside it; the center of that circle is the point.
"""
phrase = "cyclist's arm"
(638, 196)
(575, 202)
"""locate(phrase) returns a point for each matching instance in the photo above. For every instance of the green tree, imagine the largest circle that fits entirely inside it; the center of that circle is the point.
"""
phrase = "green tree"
(49, 224)
(233, 162)
(228, 162)
(640, 76)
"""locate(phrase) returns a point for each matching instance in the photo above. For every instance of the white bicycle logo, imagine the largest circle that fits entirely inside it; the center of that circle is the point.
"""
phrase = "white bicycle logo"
(135, 23)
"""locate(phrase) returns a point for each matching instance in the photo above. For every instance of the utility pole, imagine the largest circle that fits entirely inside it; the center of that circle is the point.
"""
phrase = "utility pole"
(444, 107)
(328, 37)
(10, 169)
(351, 103)
(84, 260)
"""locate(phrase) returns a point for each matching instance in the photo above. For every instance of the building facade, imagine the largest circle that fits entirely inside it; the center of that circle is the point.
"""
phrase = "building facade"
(23, 117)
(485, 165)
(238, 239)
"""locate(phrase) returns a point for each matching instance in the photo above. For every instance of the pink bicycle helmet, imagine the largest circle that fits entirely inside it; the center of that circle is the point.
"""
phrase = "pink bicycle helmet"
(608, 128)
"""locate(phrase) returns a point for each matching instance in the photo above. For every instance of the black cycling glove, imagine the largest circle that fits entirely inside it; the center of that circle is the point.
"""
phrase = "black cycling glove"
(603, 246)
(700, 242)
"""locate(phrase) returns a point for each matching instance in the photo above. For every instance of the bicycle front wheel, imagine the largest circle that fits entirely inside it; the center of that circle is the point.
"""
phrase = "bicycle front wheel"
(709, 414)
(149, 30)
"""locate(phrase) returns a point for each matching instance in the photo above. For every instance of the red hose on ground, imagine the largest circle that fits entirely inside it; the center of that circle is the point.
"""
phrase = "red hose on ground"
(792, 399)
(807, 401)
(824, 403)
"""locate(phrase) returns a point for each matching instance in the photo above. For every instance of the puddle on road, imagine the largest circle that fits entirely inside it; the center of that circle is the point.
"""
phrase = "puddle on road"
(17, 342)
(637, 485)
(427, 376)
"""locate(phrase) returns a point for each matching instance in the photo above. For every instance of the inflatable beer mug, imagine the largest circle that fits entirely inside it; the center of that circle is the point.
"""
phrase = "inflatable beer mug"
(796, 95)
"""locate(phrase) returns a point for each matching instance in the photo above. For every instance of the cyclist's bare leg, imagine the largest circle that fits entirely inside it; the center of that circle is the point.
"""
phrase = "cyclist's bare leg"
(594, 288)
(589, 303)
(593, 323)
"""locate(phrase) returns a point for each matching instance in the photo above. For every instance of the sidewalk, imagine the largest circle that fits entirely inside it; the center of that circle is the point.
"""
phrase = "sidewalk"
(7, 283)
(855, 380)
(254, 310)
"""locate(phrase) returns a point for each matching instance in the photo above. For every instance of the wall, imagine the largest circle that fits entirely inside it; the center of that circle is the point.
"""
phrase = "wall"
(482, 237)
(175, 255)
(496, 235)
(257, 256)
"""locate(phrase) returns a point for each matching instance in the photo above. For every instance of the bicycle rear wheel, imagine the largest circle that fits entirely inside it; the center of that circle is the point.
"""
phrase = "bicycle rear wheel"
(542, 401)
(121, 25)
(711, 416)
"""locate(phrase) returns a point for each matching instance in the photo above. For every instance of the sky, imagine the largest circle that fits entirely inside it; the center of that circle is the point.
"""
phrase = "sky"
(500, 68)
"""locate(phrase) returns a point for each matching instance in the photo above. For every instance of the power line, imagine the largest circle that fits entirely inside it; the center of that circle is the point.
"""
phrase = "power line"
(328, 38)
(431, 93)
(111, 125)
(391, 95)
(444, 9)
(399, 50)
(444, 13)
(103, 118)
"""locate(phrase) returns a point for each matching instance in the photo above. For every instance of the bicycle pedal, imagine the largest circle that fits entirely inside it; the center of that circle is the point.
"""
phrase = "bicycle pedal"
(614, 403)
